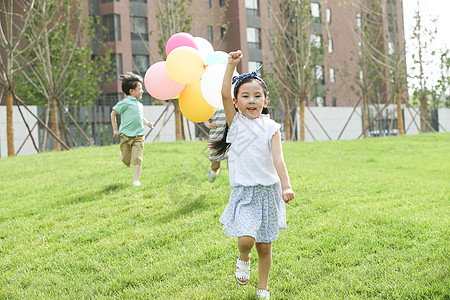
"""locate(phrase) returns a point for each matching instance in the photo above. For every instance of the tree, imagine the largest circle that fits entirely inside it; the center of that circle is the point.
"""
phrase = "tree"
(64, 69)
(14, 23)
(173, 17)
(384, 55)
(373, 76)
(444, 80)
(294, 58)
(397, 66)
(422, 39)
(372, 46)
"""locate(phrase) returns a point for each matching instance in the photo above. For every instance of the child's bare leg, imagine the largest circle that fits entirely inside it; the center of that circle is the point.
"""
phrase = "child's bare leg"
(264, 262)
(245, 244)
(215, 165)
(137, 172)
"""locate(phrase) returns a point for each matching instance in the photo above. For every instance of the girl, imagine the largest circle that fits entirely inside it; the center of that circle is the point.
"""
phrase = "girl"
(258, 175)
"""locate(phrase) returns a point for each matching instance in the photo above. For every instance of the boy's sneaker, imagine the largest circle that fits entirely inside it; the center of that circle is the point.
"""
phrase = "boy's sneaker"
(136, 183)
(212, 175)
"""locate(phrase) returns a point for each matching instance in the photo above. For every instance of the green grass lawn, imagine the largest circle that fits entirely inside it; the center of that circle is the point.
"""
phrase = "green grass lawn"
(370, 221)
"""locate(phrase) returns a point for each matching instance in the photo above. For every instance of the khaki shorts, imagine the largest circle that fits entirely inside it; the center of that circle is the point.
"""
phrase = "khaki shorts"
(132, 148)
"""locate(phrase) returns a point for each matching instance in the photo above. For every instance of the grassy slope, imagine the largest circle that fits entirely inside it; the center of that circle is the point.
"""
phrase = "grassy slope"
(370, 220)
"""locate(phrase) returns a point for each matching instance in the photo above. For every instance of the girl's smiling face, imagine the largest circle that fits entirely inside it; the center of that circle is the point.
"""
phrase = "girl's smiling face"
(251, 99)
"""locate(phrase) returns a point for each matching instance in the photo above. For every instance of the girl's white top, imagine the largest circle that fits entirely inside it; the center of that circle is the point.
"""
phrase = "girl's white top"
(250, 159)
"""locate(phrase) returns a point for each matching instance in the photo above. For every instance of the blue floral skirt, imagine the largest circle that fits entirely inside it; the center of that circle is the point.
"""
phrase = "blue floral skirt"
(257, 211)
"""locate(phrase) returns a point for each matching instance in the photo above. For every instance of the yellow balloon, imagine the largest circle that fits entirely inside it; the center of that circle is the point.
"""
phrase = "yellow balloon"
(185, 64)
(192, 104)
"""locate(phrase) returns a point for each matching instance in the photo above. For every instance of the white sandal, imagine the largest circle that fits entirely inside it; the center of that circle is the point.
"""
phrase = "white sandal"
(263, 294)
(242, 273)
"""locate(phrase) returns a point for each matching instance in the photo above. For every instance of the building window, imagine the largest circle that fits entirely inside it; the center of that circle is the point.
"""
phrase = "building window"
(334, 102)
(139, 1)
(146, 98)
(253, 65)
(328, 15)
(222, 3)
(361, 76)
(318, 74)
(95, 26)
(107, 1)
(209, 34)
(332, 78)
(253, 38)
(139, 28)
(391, 49)
(208, 4)
(251, 7)
(112, 25)
(140, 64)
(269, 9)
(358, 20)
(330, 45)
(112, 98)
(320, 101)
(271, 39)
(316, 40)
(223, 33)
(116, 64)
(315, 10)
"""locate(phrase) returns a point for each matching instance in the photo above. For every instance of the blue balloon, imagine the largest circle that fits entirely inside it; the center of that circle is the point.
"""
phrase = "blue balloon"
(218, 57)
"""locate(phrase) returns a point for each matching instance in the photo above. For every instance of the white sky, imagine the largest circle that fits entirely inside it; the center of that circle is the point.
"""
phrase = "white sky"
(429, 9)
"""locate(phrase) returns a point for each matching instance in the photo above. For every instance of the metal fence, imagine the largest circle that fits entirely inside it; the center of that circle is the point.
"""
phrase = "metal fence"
(82, 126)
(94, 121)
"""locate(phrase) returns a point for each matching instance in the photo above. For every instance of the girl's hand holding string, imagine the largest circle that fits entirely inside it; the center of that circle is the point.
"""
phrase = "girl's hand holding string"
(288, 195)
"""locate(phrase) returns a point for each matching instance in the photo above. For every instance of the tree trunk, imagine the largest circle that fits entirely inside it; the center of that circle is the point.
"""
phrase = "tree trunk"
(10, 124)
(398, 99)
(423, 113)
(287, 118)
(302, 118)
(287, 128)
(365, 116)
(55, 128)
(179, 127)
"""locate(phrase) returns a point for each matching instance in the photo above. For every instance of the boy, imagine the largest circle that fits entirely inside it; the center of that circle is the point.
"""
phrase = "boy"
(132, 123)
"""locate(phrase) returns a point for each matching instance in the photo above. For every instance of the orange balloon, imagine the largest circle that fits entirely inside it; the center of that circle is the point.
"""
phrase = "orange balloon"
(185, 64)
(192, 104)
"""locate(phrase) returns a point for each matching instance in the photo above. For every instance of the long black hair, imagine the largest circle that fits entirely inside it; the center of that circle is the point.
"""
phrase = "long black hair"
(220, 147)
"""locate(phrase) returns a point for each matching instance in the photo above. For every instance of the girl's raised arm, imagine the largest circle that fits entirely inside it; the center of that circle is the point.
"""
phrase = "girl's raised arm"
(227, 98)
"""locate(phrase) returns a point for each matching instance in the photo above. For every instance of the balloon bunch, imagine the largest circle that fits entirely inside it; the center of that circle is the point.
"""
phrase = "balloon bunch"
(194, 72)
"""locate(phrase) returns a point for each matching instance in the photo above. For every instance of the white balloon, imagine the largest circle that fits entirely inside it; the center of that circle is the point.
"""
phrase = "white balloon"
(211, 85)
(204, 46)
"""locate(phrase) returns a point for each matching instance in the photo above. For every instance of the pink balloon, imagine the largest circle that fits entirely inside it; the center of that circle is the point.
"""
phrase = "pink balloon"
(159, 84)
(180, 39)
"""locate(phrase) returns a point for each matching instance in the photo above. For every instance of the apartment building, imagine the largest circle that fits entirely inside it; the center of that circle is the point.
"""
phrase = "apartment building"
(132, 35)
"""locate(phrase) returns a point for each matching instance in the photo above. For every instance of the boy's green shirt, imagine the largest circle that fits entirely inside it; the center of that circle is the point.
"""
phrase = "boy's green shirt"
(131, 112)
